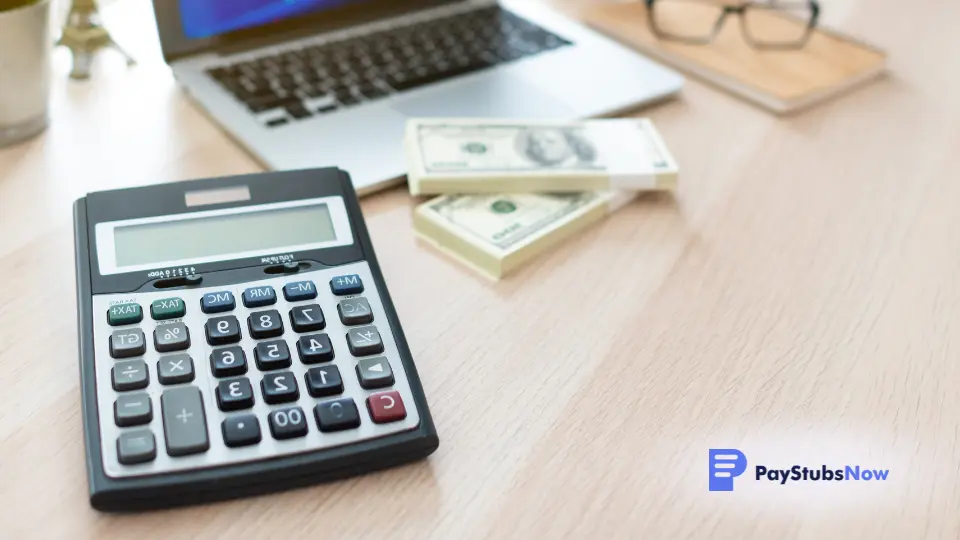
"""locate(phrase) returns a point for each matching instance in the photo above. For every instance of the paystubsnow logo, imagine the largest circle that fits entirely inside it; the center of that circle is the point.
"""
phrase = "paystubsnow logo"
(728, 463)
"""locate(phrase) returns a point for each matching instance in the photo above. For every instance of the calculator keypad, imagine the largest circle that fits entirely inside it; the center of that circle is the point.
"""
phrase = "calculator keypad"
(309, 384)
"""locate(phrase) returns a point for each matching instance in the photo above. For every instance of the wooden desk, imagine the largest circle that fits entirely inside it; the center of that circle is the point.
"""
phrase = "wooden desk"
(799, 300)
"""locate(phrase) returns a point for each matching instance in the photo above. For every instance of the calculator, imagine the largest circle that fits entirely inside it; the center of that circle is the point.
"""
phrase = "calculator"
(236, 337)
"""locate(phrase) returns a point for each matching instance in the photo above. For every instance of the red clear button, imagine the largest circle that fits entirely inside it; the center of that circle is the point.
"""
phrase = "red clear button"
(386, 407)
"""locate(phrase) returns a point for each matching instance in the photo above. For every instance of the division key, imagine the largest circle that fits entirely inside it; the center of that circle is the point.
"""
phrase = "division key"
(184, 424)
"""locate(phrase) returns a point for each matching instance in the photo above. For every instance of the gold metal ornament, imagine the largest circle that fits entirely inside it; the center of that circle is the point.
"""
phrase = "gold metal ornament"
(84, 35)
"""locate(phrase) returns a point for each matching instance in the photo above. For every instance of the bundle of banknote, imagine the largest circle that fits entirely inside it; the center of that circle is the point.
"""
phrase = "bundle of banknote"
(512, 190)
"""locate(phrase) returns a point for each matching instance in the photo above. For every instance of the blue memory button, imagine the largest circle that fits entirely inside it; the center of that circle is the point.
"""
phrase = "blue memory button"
(259, 296)
(301, 290)
(218, 302)
(342, 285)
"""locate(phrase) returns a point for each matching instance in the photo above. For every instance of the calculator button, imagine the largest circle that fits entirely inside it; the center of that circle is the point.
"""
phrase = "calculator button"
(265, 324)
(228, 361)
(168, 308)
(122, 314)
(130, 375)
(136, 447)
(287, 423)
(259, 297)
(324, 381)
(315, 349)
(374, 373)
(337, 415)
(171, 337)
(343, 285)
(272, 355)
(307, 318)
(242, 430)
(127, 343)
(175, 369)
(355, 311)
(223, 330)
(364, 341)
(218, 302)
(234, 394)
(132, 410)
(386, 407)
(279, 388)
(184, 424)
(301, 290)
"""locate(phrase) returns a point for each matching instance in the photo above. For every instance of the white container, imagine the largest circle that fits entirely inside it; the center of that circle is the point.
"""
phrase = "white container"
(25, 66)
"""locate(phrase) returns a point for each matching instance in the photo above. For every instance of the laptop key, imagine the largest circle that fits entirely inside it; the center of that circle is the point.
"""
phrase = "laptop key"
(298, 111)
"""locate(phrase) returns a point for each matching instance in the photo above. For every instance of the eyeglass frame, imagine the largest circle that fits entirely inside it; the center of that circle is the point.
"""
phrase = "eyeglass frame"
(740, 10)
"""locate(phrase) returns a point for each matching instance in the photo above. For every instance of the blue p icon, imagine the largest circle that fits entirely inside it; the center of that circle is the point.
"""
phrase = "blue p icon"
(725, 465)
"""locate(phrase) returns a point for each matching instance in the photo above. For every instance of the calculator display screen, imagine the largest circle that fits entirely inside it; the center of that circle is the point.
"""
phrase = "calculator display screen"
(168, 242)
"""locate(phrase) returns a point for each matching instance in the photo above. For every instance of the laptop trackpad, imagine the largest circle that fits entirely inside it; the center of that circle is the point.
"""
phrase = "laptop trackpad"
(500, 95)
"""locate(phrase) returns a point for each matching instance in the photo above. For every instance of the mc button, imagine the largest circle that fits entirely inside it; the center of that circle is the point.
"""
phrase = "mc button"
(218, 302)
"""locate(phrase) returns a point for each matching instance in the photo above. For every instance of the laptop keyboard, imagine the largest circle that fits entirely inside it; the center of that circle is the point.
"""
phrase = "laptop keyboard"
(299, 84)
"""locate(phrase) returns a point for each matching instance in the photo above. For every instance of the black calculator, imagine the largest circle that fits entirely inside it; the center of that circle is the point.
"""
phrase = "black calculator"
(236, 337)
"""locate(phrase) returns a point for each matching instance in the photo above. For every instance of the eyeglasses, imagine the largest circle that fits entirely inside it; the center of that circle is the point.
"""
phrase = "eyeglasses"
(770, 25)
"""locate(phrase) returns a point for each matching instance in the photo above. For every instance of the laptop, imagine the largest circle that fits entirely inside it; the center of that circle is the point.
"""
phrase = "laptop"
(310, 83)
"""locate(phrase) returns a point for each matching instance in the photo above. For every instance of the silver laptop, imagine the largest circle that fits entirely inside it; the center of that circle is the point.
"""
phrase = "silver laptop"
(311, 83)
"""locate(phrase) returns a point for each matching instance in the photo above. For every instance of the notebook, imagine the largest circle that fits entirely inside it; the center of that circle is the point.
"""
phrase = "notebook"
(780, 81)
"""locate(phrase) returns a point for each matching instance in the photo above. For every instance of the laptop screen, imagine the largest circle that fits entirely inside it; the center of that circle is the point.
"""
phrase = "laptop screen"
(208, 18)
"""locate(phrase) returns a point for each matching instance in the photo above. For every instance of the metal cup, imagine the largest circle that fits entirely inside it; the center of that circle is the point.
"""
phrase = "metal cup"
(25, 49)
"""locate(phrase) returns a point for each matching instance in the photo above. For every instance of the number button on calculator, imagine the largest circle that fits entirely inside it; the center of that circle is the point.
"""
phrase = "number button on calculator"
(127, 343)
(308, 318)
(272, 355)
(228, 361)
(223, 330)
(315, 349)
(122, 314)
(288, 423)
(132, 410)
(234, 394)
(130, 375)
(171, 337)
(265, 324)
(324, 381)
(184, 424)
(218, 302)
(337, 415)
(301, 290)
(364, 341)
(242, 430)
(175, 369)
(355, 311)
(279, 388)
(259, 297)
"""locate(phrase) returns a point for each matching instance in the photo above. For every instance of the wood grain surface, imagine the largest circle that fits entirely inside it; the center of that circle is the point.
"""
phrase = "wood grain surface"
(798, 299)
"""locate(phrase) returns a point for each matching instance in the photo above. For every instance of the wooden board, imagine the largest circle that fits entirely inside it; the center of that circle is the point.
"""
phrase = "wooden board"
(782, 81)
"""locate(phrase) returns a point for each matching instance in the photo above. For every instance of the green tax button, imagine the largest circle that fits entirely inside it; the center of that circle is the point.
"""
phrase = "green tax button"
(121, 314)
(168, 308)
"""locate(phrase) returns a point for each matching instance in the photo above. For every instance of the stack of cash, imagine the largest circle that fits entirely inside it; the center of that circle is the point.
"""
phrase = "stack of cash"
(511, 190)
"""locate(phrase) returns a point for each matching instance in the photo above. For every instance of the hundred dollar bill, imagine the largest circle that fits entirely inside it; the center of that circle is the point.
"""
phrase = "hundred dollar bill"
(495, 234)
(504, 156)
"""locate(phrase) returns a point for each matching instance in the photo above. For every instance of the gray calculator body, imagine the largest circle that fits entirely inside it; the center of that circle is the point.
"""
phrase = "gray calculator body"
(236, 337)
